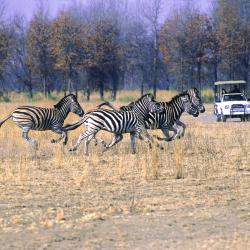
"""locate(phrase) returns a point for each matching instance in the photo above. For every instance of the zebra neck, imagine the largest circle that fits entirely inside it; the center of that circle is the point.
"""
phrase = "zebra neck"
(64, 111)
(177, 108)
(141, 111)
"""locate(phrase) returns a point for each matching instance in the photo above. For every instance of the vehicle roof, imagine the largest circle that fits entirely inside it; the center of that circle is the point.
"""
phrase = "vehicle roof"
(230, 82)
(234, 94)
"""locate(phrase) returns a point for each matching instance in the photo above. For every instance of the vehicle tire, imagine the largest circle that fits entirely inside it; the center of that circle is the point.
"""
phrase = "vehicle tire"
(224, 118)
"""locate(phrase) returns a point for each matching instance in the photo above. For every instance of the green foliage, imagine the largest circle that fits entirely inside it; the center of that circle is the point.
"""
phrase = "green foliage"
(126, 99)
(5, 98)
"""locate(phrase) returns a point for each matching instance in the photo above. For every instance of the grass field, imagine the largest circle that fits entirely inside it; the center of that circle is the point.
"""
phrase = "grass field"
(195, 194)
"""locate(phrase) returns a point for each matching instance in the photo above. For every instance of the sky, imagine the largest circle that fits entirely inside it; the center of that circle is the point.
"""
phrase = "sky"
(28, 7)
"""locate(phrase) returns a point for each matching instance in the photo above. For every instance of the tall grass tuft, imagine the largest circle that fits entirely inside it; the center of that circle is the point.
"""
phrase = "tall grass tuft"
(178, 158)
(155, 162)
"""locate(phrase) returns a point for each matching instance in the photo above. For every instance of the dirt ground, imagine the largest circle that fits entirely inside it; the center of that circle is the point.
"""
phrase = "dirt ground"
(195, 194)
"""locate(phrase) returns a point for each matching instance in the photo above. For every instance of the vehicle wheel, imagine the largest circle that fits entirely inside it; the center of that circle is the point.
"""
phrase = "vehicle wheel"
(224, 118)
(218, 118)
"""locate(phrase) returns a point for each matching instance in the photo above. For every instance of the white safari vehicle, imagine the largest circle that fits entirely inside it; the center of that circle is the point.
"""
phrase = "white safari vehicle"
(231, 100)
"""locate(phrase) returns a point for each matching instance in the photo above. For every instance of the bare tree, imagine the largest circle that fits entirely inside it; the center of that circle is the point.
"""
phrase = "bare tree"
(19, 64)
(152, 10)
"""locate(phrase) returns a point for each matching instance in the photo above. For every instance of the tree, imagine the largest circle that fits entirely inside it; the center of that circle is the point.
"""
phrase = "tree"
(19, 65)
(65, 46)
(39, 51)
(152, 10)
(230, 39)
(184, 45)
(101, 53)
(5, 50)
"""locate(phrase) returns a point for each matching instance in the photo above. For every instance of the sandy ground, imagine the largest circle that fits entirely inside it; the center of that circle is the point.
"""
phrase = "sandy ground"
(193, 195)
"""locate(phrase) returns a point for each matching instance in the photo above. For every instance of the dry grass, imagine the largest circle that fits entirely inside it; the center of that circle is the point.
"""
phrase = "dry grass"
(193, 194)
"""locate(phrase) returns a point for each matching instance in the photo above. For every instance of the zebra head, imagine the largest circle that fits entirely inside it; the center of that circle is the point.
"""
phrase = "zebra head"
(196, 99)
(188, 105)
(68, 104)
(75, 107)
(150, 104)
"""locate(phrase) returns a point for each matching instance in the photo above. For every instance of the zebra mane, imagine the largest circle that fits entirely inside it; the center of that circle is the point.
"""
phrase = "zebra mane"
(63, 100)
(143, 96)
(179, 95)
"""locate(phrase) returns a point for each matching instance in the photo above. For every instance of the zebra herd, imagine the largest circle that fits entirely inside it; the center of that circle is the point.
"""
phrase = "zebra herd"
(136, 118)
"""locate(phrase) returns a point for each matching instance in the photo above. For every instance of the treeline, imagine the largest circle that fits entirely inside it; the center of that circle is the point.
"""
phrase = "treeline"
(112, 45)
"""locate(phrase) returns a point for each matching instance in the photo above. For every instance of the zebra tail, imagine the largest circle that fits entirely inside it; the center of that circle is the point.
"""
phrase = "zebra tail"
(106, 104)
(75, 125)
(2, 122)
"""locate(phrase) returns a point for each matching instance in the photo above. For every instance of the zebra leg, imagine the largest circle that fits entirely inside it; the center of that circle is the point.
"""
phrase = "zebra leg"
(63, 133)
(87, 141)
(132, 141)
(149, 139)
(183, 125)
(166, 133)
(167, 137)
(117, 138)
(84, 136)
(101, 141)
(25, 135)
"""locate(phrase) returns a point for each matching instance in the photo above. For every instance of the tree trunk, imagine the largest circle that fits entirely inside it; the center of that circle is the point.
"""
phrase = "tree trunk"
(30, 90)
(88, 94)
(199, 74)
(69, 84)
(155, 61)
(114, 84)
(45, 87)
(101, 89)
(215, 71)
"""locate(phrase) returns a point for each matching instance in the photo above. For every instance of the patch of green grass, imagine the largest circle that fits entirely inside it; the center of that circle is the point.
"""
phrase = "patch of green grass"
(126, 99)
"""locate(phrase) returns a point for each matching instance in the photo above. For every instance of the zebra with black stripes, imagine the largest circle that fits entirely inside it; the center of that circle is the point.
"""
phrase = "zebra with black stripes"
(169, 119)
(117, 122)
(37, 118)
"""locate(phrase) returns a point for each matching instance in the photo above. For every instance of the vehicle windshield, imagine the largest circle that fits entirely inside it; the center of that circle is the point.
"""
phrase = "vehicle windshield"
(228, 98)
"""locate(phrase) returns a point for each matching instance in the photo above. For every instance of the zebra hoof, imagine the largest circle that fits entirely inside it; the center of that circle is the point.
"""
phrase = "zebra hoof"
(72, 150)
(53, 141)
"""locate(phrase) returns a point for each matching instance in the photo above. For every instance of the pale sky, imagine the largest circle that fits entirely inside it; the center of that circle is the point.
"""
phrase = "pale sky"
(28, 7)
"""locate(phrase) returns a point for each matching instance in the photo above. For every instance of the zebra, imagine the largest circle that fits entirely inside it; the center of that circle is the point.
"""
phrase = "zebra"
(37, 118)
(159, 121)
(117, 122)
(176, 124)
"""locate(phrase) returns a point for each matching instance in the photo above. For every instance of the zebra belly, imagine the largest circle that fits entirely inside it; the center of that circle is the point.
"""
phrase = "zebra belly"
(110, 123)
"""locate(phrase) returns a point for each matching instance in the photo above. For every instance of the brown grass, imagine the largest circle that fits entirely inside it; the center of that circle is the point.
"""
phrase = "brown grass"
(194, 194)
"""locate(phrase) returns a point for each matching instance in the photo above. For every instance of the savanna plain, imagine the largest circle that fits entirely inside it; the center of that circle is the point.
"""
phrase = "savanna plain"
(194, 194)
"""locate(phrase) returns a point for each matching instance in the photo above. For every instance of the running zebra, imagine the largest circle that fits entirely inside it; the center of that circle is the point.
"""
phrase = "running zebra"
(169, 119)
(117, 122)
(36, 118)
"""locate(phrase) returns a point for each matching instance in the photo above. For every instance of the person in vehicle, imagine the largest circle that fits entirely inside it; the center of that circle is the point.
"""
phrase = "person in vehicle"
(235, 89)
(223, 92)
